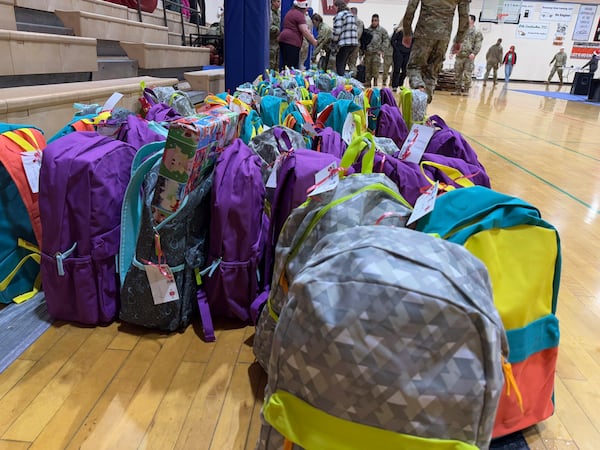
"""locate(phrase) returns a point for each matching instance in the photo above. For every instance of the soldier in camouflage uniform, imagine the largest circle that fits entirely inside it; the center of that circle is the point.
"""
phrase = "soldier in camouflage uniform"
(465, 59)
(560, 61)
(375, 50)
(324, 34)
(274, 34)
(353, 58)
(493, 58)
(388, 59)
(432, 36)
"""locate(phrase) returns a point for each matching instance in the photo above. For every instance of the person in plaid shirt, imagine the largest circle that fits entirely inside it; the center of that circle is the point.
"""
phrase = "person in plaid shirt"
(345, 35)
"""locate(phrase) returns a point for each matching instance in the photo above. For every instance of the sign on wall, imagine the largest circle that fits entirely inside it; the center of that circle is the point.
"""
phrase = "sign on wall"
(585, 21)
(559, 12)
(532, 30)
(584, 50)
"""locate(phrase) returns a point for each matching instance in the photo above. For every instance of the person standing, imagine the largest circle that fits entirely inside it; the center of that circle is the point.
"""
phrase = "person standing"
(510, 59)
(274, 34)
(432, 36)
(374, 51)
(400, 58)
(388, 60)
(290, 38)
(305, 49)
(324, 33)
(345, 35)
(493, 58)
(592, 63)
(464, 64)
(353, 58)
(559, 61)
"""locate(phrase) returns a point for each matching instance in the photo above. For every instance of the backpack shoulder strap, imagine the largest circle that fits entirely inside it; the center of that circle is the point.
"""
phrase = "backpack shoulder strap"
(131, 210)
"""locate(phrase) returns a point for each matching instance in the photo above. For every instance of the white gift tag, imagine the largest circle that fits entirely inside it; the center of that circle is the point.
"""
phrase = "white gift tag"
(326, 179)
(272, 181)
(112, 101)
(162, 283)
(424, 204)
(415, 144)
(32, 163)
(348, 129)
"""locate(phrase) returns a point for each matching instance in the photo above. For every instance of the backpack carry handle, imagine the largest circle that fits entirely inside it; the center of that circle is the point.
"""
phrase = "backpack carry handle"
(355, 148)
(438, 121)
(455, 175)
(281, 135)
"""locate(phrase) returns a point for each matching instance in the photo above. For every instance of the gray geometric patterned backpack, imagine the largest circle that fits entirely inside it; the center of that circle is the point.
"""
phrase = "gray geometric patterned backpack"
(389, 340)
(359, 199)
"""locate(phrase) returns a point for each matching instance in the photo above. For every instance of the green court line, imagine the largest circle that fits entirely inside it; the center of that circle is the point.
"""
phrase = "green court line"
(537, 137)
(533, 174)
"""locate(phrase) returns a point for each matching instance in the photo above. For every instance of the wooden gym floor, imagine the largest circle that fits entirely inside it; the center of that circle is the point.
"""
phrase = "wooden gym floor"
(119, 387)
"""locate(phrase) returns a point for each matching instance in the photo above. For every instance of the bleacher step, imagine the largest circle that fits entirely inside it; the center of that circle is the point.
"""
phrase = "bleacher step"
(50, 107)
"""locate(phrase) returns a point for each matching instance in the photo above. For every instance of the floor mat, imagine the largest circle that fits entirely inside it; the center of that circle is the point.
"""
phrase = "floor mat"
(559, 95)
(20, 326)
(514, 441)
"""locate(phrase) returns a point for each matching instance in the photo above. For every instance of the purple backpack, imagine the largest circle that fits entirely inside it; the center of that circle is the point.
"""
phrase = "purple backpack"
(135, 131)
(83, 180)
(407, 176)
(238, 227)
(387, 97)
(391, 124)
(449, 142)
(329, 141)
(294, 177)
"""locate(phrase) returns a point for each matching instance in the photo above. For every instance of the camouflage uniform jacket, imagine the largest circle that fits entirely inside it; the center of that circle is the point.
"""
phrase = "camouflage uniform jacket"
(471, 44)
(559, 60)
(494, 54)
(380, 40)
(275, 25)
(435, 19)
(360, 27)
(323, 39)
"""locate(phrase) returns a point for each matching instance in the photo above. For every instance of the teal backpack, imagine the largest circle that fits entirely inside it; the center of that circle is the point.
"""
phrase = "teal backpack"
(20, 227)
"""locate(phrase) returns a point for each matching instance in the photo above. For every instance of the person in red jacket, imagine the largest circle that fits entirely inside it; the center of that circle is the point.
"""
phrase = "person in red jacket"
(510, 59)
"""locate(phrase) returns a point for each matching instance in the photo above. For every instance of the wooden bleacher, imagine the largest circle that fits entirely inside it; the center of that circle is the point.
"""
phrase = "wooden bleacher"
(59, 52)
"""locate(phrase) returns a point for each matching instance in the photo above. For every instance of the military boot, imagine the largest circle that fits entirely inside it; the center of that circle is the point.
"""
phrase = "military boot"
(465, 92)
(457, 91)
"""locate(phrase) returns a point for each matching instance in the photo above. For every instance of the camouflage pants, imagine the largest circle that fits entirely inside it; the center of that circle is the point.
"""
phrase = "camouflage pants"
(491, 67)
(274, 55)
(463, 72)
(372, 64)
(352, 60)
(425, 63)
(387, 64)
(556, 69)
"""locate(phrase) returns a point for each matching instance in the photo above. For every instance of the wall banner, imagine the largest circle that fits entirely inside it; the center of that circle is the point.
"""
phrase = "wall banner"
(584, 50)
(559, 12)
(532, 30)
(585, 22)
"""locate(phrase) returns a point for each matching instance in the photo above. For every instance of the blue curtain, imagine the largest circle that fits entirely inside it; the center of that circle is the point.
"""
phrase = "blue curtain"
(246, 40)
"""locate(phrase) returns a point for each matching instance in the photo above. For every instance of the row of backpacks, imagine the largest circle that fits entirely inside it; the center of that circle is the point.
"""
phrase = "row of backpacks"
(286, 219)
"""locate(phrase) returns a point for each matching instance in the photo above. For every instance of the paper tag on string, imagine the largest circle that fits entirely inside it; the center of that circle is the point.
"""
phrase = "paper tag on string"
(32, 163)
(415, 144)
(348, 129)
(112, 101)
(326, 179)
(272, 181)
(162, 283)
(424, 204)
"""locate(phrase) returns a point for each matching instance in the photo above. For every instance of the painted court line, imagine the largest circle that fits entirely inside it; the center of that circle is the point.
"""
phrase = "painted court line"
(533, 174)
(585, 155)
